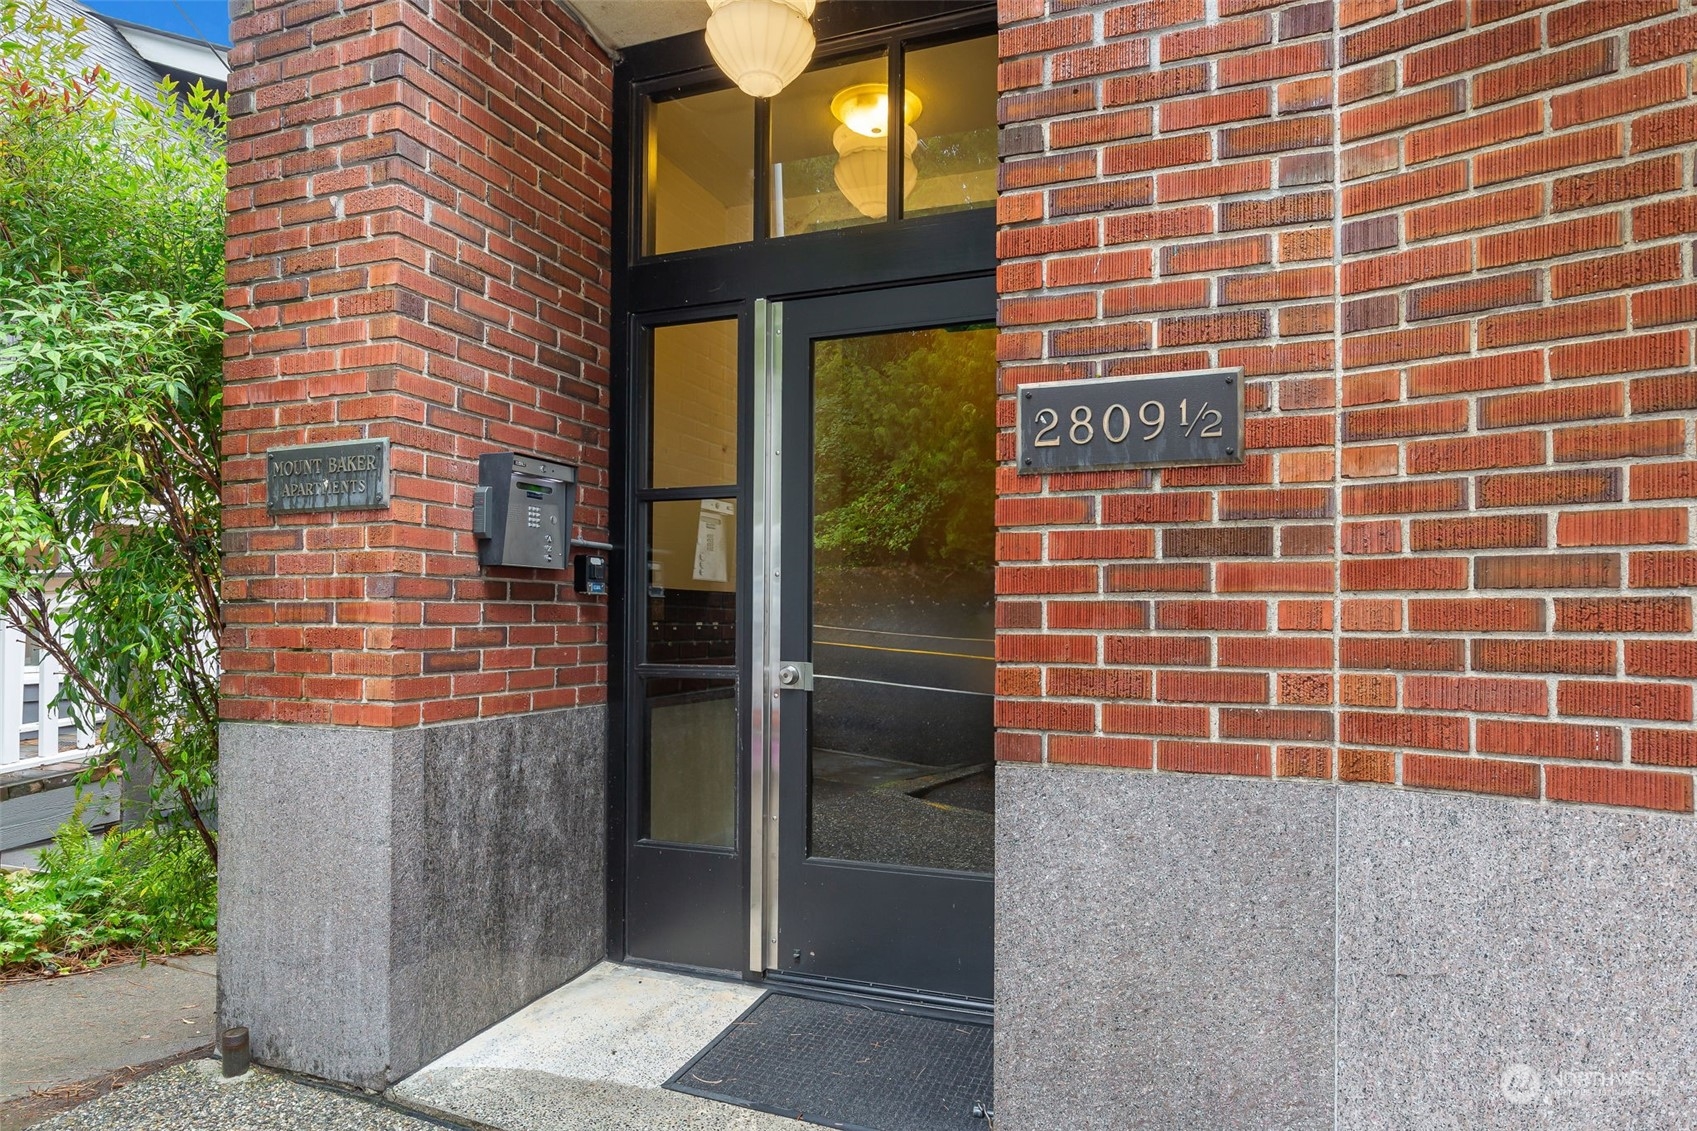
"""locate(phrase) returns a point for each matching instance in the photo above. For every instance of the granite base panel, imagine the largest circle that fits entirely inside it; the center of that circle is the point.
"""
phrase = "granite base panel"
(385, 895)
(1163, 951)
(1183, 951)
(1511, 965)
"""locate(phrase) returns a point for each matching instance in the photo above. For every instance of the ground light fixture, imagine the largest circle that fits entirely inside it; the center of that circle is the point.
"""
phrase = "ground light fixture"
(862, 142)
(761, 45)
(234, 1051)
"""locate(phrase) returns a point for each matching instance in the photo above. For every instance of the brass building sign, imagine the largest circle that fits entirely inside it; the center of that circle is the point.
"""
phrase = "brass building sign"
(328, 477)
(1166, 420)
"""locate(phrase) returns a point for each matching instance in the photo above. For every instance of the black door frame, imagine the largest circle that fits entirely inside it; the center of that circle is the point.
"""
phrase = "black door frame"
(834, 917)
(717, 282)
(711, 881)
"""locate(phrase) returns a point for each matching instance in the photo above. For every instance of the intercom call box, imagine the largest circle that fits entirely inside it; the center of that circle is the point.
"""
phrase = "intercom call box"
(522, 511)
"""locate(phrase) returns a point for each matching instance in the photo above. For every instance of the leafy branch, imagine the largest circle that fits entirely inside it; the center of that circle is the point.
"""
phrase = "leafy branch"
(111, 331)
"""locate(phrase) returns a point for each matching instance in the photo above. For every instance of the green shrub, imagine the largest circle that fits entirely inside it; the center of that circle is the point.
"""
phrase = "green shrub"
(882, 497)
(142, 891)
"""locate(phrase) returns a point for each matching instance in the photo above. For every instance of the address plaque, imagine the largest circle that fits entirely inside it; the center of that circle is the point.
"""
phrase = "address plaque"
(352, 475)
(1116, 422)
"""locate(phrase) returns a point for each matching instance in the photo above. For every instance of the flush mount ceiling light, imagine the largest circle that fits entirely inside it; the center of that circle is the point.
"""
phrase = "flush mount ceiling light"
(865, 108)
(761, 45)
(861, 173)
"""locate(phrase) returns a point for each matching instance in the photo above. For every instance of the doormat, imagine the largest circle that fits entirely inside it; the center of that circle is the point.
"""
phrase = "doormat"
(857, 1067)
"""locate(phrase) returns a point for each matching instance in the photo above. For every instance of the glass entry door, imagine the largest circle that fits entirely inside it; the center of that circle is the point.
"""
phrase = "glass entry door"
(880, 665)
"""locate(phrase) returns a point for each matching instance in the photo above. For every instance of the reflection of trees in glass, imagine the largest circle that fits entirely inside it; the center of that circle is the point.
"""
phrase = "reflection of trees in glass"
(956, 171)
(905, 449)
(811, 202)
(958, 154)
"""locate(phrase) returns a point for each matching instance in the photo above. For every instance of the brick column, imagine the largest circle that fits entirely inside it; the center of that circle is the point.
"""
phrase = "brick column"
(419, 234)
(1462, 297)
(1180, 217)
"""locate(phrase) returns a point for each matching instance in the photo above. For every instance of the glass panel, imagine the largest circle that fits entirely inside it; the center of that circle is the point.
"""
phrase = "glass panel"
(693, 406)
(903, 608)
(824, 146)
(700, 171)
(32, 703)
(692, 761)
(692, 582)
(67, 738)
(954, 163)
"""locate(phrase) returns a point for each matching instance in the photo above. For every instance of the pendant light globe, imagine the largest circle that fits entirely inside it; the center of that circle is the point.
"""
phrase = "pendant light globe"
(862, 171)
(761, 45)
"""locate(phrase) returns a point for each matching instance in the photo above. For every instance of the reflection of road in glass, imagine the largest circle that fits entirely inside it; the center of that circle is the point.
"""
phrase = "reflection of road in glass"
(885, 823)
(901, 766)
(947, 663)
(903, 644)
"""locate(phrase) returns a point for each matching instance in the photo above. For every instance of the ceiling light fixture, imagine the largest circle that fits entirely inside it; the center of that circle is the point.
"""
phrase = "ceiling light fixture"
(862, 171)
(762, 45)
(865, 108)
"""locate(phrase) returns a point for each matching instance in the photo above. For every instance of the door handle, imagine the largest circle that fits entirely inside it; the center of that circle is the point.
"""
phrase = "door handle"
(795, 675)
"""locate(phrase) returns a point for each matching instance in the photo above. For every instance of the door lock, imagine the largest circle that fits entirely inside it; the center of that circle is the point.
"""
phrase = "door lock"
(796, 675)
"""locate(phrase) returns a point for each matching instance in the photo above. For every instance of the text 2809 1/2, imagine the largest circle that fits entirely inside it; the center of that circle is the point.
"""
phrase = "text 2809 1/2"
(1153, 421)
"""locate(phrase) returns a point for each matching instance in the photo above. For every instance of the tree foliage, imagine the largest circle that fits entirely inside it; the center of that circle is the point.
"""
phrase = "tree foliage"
(111, 324)
(905, 449)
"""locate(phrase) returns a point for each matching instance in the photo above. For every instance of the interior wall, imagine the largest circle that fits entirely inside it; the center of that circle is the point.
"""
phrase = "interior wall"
(694, 439)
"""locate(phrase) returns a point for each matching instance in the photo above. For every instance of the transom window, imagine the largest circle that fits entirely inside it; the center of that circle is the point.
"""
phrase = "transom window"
(722, 168)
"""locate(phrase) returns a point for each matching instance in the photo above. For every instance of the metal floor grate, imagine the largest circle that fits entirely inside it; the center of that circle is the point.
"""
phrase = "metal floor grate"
(857, 1067)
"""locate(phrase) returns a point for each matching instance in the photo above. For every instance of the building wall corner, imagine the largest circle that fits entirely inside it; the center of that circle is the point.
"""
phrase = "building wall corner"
(1449, 245)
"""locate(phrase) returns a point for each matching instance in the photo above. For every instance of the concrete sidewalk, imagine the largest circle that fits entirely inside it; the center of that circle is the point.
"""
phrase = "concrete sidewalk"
(128, 1048)
(81, 1028)
(195, 1097)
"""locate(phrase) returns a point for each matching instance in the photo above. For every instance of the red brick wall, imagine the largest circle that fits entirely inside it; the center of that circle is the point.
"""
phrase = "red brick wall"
(1450, 244)
(419, 224)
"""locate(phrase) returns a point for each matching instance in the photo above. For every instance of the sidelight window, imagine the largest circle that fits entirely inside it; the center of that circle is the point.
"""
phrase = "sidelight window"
(688, 510)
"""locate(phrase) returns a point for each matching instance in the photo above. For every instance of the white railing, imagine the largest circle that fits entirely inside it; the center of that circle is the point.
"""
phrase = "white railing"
(34, 728)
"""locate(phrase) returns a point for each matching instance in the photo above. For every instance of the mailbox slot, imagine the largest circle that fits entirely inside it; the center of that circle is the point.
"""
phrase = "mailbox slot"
(522, 512)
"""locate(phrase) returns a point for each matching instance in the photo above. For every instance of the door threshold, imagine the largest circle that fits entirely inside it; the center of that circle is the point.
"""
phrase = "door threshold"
(684, 969)
(915, 1002)
(972, 1011)
(593, 1055)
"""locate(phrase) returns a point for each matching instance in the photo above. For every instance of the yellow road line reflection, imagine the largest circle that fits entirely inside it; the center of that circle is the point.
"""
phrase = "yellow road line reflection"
(903, 651)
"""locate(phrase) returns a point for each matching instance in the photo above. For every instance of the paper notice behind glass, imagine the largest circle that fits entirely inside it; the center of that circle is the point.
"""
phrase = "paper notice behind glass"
(710, 557)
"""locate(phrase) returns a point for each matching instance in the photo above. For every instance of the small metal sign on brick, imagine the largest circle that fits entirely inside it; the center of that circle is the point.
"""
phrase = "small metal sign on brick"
(328, 477)
(1155, 421)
